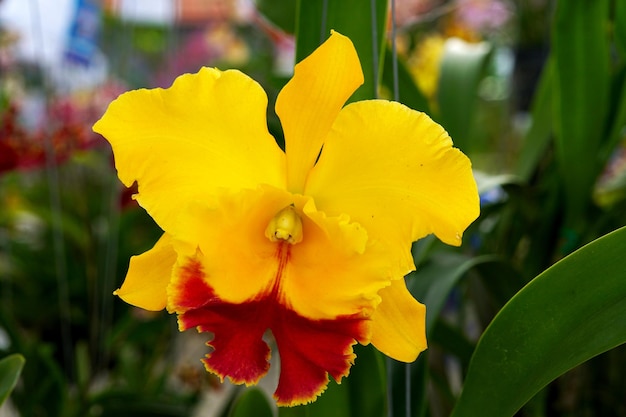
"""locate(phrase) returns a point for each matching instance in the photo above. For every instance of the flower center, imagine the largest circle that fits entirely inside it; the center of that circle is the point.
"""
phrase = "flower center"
(285, 225)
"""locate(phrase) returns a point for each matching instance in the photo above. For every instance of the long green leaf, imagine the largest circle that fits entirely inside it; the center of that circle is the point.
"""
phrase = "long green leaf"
(537, 138)
(352, 18)
(366, 383)
(571, 312)
(462, 67)
(417, 375)
(334, 402)
(619, 82)
(408, 91)
(10, 370)
(581, 52)
(281, 13)
(431, 284)
(619, 26)
(251, 403)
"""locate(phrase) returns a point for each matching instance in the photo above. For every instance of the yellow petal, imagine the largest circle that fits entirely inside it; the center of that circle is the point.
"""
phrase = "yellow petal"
(394, 171)
(148, 276)
(309, 103)
(335, 271)
(181, 144)
(399, 323)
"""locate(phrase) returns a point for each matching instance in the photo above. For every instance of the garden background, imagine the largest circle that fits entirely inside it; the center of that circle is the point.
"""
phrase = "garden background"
(527, 318)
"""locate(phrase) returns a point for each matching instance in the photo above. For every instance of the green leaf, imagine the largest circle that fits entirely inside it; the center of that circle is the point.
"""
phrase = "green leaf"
(366, 383)
(409, 93)
(416, 374)
(619, 26)
(251, 403)
(334, 402)
(314, 23)
(537, 138)
(431, 284)
(581, 76)
(462, 67)
(10, 370)
(568, 314)
(453, 340)
(281, 13)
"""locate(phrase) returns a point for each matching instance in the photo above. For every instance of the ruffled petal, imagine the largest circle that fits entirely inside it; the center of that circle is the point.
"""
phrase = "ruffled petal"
(308, 105)
(239, 351)
(207, 131)
(148, 276)
(399, 323)
(336, 270)
(310, 350)
(394, 171)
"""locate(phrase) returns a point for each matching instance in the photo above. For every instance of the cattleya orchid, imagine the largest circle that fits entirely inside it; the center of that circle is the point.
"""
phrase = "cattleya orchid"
(311, 243)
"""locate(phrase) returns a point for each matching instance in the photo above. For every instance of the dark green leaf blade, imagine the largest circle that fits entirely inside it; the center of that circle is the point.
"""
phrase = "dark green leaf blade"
(251, 403)
(333, 402)
(281, 13)
(431, 283)
(462, 68)
(366, 383)
(570, 313)
(409, 93)
(581, 80)
(619, 25)
(537, 138)
(10, 370)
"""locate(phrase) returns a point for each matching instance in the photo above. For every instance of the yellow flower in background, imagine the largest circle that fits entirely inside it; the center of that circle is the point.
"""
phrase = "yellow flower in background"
(425, 64)
(311, 243)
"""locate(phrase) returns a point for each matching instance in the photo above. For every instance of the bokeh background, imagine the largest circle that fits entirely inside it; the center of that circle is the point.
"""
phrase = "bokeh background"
(484, 69)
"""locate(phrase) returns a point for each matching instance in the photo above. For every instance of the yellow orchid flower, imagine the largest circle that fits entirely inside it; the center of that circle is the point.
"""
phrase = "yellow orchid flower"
(311, 243)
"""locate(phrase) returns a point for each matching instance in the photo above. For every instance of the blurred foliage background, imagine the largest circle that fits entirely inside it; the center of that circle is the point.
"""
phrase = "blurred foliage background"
(520, 321)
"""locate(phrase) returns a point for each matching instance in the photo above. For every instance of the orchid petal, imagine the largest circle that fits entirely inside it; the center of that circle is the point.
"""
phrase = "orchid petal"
(398, 328)
(148, 276)
(395, 172)
(308, 105)
(206, 132)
